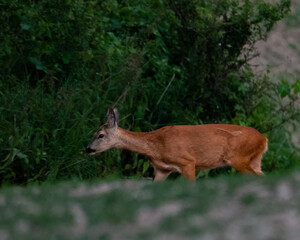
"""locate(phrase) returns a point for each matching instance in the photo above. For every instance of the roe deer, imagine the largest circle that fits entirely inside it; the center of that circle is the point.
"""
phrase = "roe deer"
(186, 148)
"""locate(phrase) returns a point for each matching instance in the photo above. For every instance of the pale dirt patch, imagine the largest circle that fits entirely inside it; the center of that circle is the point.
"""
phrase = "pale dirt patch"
(2, 200)
(281, 50)
(27, 205)
(280, 53)
(80, 220)
(260, 191)
(149, 217)
(284, 192)
(4, 235)
(22, 226)
(84, 190)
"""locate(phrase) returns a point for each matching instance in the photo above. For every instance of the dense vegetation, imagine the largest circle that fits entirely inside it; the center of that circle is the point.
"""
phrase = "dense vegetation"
(63, 63)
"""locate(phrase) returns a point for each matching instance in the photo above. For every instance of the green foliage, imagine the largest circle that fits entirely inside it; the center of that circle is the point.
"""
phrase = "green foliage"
(160, 62)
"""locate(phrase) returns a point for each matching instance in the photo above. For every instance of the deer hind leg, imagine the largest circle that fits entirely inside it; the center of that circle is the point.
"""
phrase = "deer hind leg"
(248, 165)
(255, 164)
(187, 166)
(188, 171)
(242, 165)
(242, 168)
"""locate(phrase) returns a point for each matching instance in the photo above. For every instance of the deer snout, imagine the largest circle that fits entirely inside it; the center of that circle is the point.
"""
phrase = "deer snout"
(90, 150)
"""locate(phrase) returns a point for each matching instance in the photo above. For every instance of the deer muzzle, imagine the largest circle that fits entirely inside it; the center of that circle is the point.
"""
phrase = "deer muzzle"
(90, 150)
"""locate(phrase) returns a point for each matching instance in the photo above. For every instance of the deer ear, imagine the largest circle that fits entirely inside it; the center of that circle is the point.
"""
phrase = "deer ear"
(116, 112)
(112, 117)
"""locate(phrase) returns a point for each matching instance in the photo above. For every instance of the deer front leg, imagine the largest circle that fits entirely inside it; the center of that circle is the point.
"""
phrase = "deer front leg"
(161, 175)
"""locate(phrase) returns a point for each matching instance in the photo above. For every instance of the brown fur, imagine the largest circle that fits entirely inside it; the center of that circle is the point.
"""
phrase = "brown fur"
(186, 148)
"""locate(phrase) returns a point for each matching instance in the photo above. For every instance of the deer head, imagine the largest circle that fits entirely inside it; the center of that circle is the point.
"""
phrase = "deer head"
(106, 136)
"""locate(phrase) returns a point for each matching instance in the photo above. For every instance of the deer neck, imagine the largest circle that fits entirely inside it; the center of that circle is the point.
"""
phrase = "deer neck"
(139, 142)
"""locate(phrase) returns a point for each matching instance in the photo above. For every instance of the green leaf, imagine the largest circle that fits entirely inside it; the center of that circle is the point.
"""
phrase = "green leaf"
(146, 165)
(10, 157)
(283, 88)
(37, 63)
(25, 26)
(25, 23)
(23, 156)
(296, 86)
(66, 57)
(37, 160)
(127, 166)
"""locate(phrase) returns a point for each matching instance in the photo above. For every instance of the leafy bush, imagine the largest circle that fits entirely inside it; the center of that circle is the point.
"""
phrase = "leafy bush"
(161, 63)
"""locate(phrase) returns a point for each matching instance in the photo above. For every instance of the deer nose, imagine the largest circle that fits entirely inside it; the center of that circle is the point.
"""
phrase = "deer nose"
(89, 150)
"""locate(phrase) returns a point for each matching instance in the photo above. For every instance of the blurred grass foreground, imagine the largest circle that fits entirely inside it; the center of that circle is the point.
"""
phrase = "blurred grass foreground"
(222, 208)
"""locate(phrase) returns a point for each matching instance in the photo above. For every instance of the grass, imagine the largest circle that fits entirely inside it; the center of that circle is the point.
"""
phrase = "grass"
(228, 207)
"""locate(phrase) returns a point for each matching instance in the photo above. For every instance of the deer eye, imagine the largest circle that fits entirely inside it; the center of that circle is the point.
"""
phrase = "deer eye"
(101, 136)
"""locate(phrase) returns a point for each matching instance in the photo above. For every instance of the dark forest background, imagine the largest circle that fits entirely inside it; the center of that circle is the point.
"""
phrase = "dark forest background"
(63, 63)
